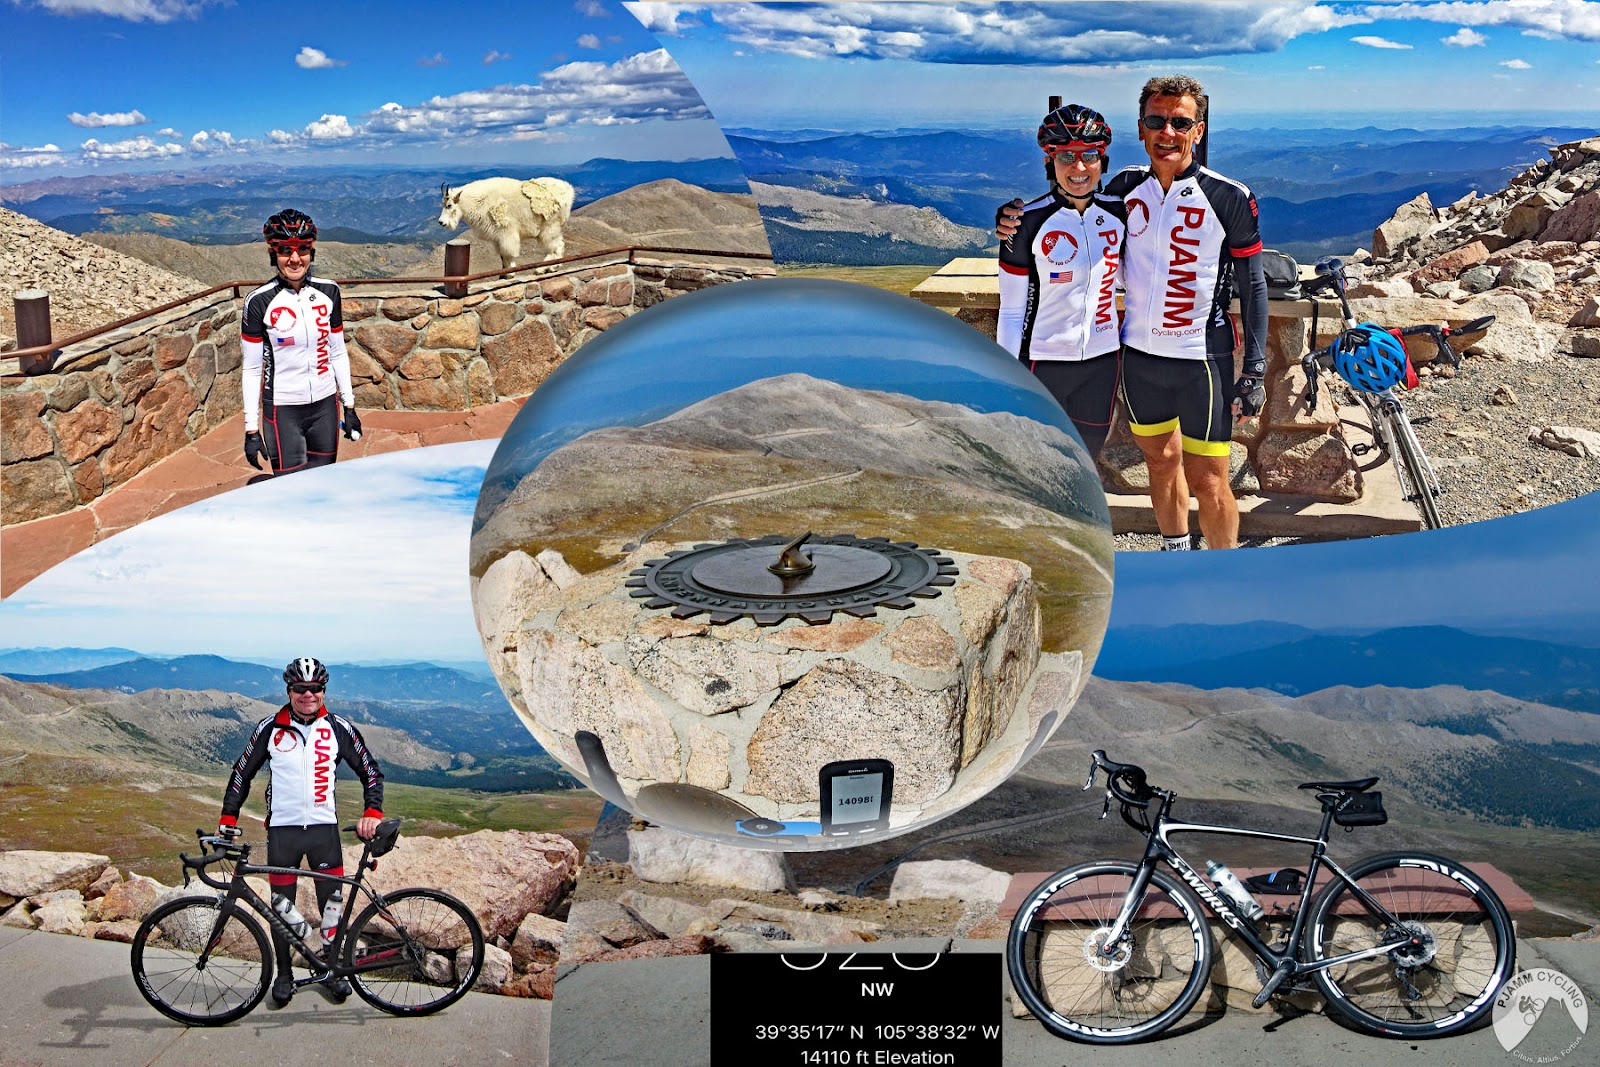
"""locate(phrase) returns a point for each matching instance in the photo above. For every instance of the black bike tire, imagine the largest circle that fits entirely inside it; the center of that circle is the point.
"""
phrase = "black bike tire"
(1405, 440)
(369, 988)
(1023, 943)
(1337, 985)
(147, 984)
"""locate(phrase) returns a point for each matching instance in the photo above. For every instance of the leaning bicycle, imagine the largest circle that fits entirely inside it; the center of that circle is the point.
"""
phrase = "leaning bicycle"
(1373, 362)
(205, 960)
(1401, 945)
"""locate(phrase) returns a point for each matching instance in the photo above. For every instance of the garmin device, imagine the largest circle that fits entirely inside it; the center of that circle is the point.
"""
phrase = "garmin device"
(855, 795)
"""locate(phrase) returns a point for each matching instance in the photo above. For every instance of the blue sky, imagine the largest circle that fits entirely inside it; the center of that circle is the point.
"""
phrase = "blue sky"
(1534, 571)
(890, 65)
(363, 560)
(119, 85)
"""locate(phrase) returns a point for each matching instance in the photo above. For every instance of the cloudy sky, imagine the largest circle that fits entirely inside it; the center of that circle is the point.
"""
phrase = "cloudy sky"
(114, 85)
(364, 560)
(868, 65)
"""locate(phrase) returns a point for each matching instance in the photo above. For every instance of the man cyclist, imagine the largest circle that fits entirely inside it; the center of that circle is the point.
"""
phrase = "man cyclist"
(296, 368)
(1190, 232)
(303, 744)
(1058, 275)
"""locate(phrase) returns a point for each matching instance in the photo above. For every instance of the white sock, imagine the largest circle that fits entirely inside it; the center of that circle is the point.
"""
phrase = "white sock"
(1179, 543)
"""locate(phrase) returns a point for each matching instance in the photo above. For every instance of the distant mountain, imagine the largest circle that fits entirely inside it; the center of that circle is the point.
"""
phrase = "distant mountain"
(1409, 657)
(55, 660)
(1320, 190)
(402, 685)
(1132, 652)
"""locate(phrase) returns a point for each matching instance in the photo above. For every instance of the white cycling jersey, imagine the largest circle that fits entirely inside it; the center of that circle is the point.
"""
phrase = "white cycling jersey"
(1058, 278)
(302, 758)
(293, 347)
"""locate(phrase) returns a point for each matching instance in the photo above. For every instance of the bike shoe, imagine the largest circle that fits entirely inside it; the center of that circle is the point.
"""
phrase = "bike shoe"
(337, 990)
(282, 991)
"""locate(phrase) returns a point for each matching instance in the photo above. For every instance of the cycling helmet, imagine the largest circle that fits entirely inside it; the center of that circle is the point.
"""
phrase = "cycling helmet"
(1370, 358)
(288, 224)
(303, 670)
(1074, 125)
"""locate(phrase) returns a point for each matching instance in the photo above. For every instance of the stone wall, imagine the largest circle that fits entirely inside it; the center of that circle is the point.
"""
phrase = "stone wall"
(119, 403)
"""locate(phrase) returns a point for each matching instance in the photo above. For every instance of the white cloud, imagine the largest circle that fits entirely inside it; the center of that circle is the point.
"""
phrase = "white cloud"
(494, 55)
(280, 136)
(95, 120)
(213, 141)
(1316, 66)
(1465, 38)
(663, 18)
(27, 158)
(1516, 64)
(316, 59)
(131, 10)
(1378, 42)
(135, 148)
(435, 60)
(589, 40)
(168, 131)
(330, 128)
(195, 580)
(1573, 20)
(592, 8)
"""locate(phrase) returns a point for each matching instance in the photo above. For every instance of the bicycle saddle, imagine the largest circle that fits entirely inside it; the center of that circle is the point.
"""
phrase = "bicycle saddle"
(1359, 785)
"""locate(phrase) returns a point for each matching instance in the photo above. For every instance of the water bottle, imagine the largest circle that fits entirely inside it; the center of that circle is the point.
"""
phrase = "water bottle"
(291, 915)
(1230, 887)
(330, 917)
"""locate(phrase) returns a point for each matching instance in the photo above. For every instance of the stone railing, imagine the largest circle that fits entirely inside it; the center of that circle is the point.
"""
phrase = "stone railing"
(118, 402)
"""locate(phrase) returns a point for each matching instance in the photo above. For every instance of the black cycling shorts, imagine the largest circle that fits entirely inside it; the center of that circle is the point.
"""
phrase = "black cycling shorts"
(1188, 395)
(298, 436)
(317, 845)
(1086, 389)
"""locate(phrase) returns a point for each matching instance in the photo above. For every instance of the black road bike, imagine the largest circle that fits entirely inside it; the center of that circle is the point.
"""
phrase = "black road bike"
(1391, 427)
(204, 960)
(1401, 945)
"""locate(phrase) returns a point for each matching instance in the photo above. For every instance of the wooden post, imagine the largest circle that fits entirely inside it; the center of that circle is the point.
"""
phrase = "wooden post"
(457, 264)
(31, 312)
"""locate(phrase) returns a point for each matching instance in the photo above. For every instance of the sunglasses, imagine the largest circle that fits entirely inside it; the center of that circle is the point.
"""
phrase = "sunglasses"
(305, 688)
(1180, 123)
(1087, 156)
(284, 248)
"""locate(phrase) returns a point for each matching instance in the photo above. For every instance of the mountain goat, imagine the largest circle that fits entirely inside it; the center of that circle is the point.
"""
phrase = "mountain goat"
(507, 211)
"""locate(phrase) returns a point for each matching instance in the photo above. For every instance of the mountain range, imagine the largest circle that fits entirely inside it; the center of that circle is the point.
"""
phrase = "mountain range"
(1319, 190)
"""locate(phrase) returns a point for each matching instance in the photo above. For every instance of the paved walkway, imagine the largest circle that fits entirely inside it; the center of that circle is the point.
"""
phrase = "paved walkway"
(215, 464)
(70, 1001)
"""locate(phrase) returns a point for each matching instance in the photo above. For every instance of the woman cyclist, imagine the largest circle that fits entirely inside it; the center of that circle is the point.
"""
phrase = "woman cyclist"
(296, 369)
(1058, 273)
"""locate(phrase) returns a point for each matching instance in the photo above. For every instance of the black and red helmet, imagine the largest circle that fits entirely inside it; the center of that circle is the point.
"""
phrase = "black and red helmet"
(305, 671)
(288, 225)
(1073, 126)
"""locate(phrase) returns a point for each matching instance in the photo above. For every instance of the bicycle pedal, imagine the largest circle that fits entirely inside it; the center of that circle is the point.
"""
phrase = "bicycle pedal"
(1360, 449)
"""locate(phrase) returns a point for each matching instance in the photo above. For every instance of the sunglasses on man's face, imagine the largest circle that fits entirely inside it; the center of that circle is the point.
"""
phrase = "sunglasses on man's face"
(1087, 156)
(305, 688)
(1180, 123)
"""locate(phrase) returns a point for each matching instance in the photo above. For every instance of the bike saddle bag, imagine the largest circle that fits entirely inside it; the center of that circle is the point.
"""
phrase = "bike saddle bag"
(1282, 273)
(1286, 882)
(1360, 809)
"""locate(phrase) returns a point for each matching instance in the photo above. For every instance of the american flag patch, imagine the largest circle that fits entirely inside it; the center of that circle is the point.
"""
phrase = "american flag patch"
(1060, 276)
(282, 342)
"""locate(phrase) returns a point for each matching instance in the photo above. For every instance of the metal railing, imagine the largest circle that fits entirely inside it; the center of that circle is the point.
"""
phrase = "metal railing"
(12, 362)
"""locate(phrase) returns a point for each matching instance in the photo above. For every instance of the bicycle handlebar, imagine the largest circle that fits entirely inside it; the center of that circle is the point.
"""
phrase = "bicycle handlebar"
(226, 849)
(1125, 781)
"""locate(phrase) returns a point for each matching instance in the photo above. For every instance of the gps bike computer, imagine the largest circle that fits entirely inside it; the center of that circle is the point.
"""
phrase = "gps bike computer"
(855, 795)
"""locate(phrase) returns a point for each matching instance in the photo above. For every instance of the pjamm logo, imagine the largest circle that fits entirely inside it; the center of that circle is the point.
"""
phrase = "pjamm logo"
(1138, 217)
(1053, 240)
(1526, 999)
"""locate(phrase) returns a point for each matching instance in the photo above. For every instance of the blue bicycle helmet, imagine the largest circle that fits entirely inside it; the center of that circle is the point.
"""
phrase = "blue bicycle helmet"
(1370, 358)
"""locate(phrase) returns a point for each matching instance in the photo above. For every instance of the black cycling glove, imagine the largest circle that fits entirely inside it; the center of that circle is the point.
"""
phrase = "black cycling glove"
(352, 425)
(1249, 395)
(254, 449)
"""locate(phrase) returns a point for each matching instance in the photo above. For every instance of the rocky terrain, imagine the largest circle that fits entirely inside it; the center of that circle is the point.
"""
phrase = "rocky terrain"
(516, 883)
(901, 232)
(1519, 425)
(89, 286)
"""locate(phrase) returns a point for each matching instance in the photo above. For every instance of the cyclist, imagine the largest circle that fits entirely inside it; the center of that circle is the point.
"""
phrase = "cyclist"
(303, 745)
(295, 361)
(1190, 232)
(1058, 273)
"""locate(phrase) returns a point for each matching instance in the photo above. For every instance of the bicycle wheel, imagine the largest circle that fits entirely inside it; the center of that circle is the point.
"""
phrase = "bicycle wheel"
(1058, 968)
(200, 962)
(1460, 950)
(1415, 463)
(414, 951)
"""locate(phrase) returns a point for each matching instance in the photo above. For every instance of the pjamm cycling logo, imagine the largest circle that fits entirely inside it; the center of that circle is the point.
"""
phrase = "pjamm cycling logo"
(1527, 998)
